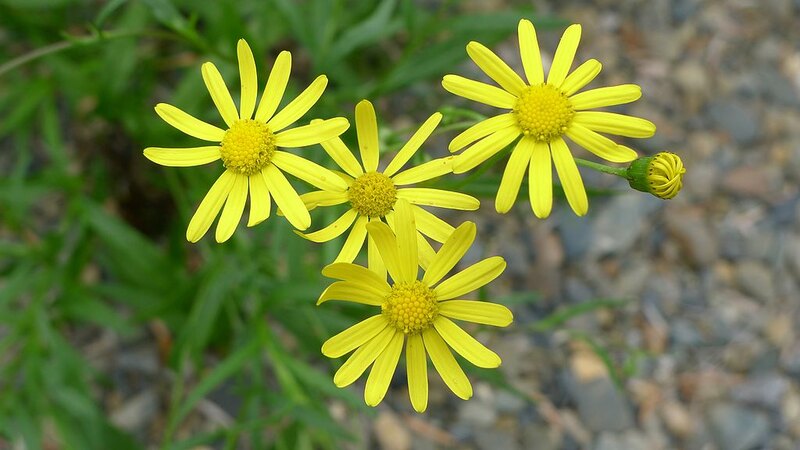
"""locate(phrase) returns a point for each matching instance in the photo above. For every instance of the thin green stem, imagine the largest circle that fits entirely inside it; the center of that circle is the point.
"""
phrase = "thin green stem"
(95, 38)
(618, 171)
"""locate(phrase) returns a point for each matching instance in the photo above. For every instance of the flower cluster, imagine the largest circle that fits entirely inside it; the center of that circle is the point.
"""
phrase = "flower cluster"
(387, 212)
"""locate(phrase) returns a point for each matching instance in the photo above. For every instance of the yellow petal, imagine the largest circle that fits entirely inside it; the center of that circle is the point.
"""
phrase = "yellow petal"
(529, 52)
(374, 260)
(447, 366)
(312, 134)
(453, 249)
(299, 106)
(599, 145)
(333, 230)
(431, 226)
(354, 337)
(286, 198)
(386, 243)
(358, 275)
(358, 362)
(479, 92)
(606, 96)
(406, 232)
(612, 123)
(424, 172)
(471, 278)
(219, 93)
(465, 345)
(540, 181)
(439, 198)
(259, 200)
(417, 372)
(350, 292)
(276, 85)
(308, 171)
(367, 130)
(343, 157)
(234, 207)
(323, 198)
(484, 313)
(413, 144)
(570, 177)
(182, 157)
(382, 371)
(482, 129)
(209, 207)
(426, 251)
(484, 149)
(565, 53)
(354, 242)
(512, 176)
(188, 124)
(496, 68)
(249, 78)
(477, 312)
(581, 76)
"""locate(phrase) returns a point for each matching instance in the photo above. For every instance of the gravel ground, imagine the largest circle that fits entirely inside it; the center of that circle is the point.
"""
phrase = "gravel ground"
(710, 279)
(708, 329)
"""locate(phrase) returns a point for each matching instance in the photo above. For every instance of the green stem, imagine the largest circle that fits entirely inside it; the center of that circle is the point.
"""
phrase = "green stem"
(618, 171)
(94, 38)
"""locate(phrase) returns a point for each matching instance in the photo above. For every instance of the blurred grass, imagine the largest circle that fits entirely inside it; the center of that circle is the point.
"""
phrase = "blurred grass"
(92, 235)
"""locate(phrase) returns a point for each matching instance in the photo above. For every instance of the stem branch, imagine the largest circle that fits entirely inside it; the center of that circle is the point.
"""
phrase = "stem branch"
(618, 171)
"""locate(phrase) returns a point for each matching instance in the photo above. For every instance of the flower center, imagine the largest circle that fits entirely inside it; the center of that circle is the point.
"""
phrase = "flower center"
(665, 175)
(410, 307)
(372, 194)
(543, 112)
(247, 147)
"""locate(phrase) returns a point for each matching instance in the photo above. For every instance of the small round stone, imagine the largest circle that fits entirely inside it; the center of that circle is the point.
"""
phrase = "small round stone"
(410, 307)
(372, 194)
(247, 147)
(543, 112)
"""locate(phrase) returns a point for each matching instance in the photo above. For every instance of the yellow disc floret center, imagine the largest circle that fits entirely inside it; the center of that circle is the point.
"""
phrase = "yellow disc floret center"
(543, 112)
(247, 147)
(410, 307)
(372, 194)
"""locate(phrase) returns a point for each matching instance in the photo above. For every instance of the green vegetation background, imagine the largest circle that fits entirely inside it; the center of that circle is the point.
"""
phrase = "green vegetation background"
(92, 234)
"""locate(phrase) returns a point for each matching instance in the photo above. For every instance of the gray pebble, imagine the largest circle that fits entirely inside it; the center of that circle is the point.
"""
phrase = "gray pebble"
(735, 427)
(740, 122)
(601, 406)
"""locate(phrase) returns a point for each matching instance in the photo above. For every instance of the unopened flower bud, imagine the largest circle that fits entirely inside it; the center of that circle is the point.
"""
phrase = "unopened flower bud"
(660, 174)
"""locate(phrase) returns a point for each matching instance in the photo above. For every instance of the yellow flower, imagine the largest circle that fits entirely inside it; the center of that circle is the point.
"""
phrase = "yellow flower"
(249, 147)
(660, 174)
(414, 311)
(372, 194)
(543, 112)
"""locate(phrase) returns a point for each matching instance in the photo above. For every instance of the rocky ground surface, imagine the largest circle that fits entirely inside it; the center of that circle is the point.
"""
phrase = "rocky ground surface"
(704, 350)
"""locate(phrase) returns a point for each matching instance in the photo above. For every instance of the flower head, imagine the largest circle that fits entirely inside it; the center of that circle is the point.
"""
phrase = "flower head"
(415, 311)
(373, 194)
(542, 112)
(660, 174)
(250, 147)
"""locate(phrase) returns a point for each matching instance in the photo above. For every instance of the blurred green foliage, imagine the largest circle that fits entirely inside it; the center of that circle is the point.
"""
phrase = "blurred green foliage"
(92, 235)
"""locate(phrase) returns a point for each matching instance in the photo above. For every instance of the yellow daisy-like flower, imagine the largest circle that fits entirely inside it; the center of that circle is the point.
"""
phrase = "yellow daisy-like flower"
(414, 311)
(249, 147)
(543, 112)
(372, 194)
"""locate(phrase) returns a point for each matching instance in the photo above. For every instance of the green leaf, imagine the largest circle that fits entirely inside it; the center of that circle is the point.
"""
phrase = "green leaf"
(224, 370)
(564, 314)
(371, 30)
(106, 11)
